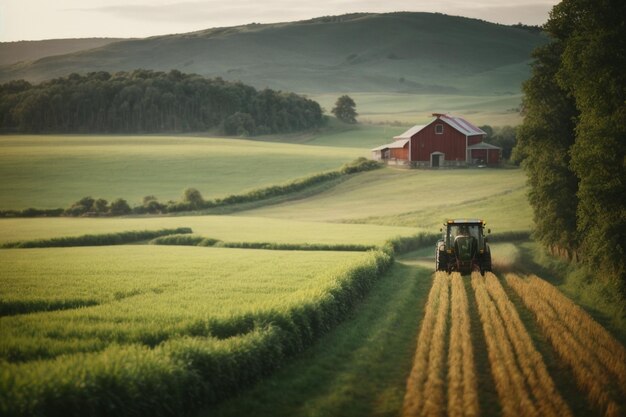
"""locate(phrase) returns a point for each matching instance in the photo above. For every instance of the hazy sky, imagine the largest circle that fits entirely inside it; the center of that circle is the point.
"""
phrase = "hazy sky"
(51, 19)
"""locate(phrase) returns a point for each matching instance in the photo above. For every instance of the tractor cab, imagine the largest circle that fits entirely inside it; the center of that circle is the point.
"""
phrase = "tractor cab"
(463, 247)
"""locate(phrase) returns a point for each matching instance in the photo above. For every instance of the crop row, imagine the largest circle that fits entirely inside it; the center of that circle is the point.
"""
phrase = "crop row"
(426, 387)
(521, 378)
(597, 360)
(185, 370)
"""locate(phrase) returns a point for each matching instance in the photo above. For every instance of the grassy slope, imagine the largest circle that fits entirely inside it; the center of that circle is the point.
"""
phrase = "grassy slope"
(54, 171)
(226, 228)
(406, 52)
(417, 198)
(12, 52)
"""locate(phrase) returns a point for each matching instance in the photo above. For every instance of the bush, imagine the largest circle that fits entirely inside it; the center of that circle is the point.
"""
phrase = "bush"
(193, 198)
(120, 207)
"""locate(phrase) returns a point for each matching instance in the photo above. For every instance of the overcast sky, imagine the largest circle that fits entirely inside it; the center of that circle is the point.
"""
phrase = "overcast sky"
(52, 19)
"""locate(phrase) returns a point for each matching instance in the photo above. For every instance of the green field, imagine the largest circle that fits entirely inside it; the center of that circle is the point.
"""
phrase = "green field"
(405, 109)
(55, 171)
(417, 198)
(158, 292)
(225, 228)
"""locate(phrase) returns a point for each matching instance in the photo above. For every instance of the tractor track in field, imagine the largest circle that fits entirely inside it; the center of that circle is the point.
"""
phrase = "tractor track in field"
(503, 345)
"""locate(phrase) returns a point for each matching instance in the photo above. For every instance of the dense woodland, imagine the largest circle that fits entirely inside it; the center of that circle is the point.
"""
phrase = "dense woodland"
(573, 138)
(148, 101)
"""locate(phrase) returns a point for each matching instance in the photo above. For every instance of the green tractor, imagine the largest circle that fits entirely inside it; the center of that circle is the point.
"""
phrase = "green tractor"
(463, 247)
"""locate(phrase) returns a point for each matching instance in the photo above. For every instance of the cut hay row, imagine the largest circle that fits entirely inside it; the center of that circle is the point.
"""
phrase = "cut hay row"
(425, 387)
(431, 389)
(462, 384)
(510, 381)
(573, 335)
(549, 402)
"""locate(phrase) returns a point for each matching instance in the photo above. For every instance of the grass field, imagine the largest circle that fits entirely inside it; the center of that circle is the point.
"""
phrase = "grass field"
(417, 198)
(225, 228)
(411, 109)
(55, 171)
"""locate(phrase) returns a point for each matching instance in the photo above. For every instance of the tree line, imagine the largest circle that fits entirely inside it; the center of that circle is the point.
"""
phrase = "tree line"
(144, 101)
(573, 138)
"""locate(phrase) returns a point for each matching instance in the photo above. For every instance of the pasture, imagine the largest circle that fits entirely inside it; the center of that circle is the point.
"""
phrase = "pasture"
(416, 198)
(55, 171)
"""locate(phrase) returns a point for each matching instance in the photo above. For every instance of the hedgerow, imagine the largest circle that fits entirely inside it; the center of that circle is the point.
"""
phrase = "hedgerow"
(96, 240)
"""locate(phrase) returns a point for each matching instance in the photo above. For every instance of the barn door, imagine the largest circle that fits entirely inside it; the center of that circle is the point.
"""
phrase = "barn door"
(436, 159)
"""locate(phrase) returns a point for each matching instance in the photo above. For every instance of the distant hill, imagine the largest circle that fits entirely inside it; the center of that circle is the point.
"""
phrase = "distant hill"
(392, 52)
(13, 52)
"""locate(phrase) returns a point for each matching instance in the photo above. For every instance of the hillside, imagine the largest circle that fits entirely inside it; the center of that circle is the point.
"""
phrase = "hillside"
(13, 52)
(421, 53)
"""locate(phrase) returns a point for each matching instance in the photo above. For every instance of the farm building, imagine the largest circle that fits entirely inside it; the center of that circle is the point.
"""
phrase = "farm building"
(447, 141)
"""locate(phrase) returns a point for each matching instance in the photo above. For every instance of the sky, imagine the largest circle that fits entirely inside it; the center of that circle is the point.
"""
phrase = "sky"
(56, 19)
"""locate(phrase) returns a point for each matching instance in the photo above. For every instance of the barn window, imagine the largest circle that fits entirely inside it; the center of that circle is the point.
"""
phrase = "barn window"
(439, 129)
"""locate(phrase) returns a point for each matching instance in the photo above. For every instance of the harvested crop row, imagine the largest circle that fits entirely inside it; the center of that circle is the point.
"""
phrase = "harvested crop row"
(462, 384)
(518, 370)
(549, 401)
(426, 388)
(574, 335)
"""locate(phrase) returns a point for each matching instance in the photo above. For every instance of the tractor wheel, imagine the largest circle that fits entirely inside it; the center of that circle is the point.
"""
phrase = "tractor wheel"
(485, 263)
(441, 262)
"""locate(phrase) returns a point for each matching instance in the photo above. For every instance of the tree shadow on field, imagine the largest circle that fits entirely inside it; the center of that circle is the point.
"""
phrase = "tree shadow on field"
(358, 369)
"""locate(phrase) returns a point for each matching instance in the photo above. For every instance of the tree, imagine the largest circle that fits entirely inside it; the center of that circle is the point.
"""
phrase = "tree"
(543, 143)
(592, 71)
(119, 207)
(345, 109)
(193, 197)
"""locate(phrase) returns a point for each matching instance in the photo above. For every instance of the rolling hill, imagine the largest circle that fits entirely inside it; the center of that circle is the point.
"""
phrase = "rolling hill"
(418, 53)
(14, 52)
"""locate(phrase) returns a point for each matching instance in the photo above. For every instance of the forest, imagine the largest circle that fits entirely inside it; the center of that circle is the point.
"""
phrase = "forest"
(145, 101)
(572, 140)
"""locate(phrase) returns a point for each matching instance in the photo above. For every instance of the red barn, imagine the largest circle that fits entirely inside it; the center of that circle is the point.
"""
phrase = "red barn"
(445, 141)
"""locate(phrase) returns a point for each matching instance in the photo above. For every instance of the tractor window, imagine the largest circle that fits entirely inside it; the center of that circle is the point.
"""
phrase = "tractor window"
(464, 230)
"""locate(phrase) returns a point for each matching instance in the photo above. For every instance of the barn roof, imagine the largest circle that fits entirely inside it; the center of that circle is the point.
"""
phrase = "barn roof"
(460, 124)
(456, 122)
(397, 144)
(409, 133)
(483, 145)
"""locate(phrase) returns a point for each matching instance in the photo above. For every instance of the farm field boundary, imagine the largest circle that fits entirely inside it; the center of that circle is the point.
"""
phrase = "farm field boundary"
(107, 239)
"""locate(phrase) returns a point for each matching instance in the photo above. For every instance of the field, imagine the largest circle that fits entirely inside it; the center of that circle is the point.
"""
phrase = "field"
(139, 329)
(55, 171)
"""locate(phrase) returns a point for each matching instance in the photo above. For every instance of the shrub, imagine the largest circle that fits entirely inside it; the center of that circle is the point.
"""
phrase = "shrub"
(120, 207)
(193, 198)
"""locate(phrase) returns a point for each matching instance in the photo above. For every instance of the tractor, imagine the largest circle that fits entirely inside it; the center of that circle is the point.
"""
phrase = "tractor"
(463, 247)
